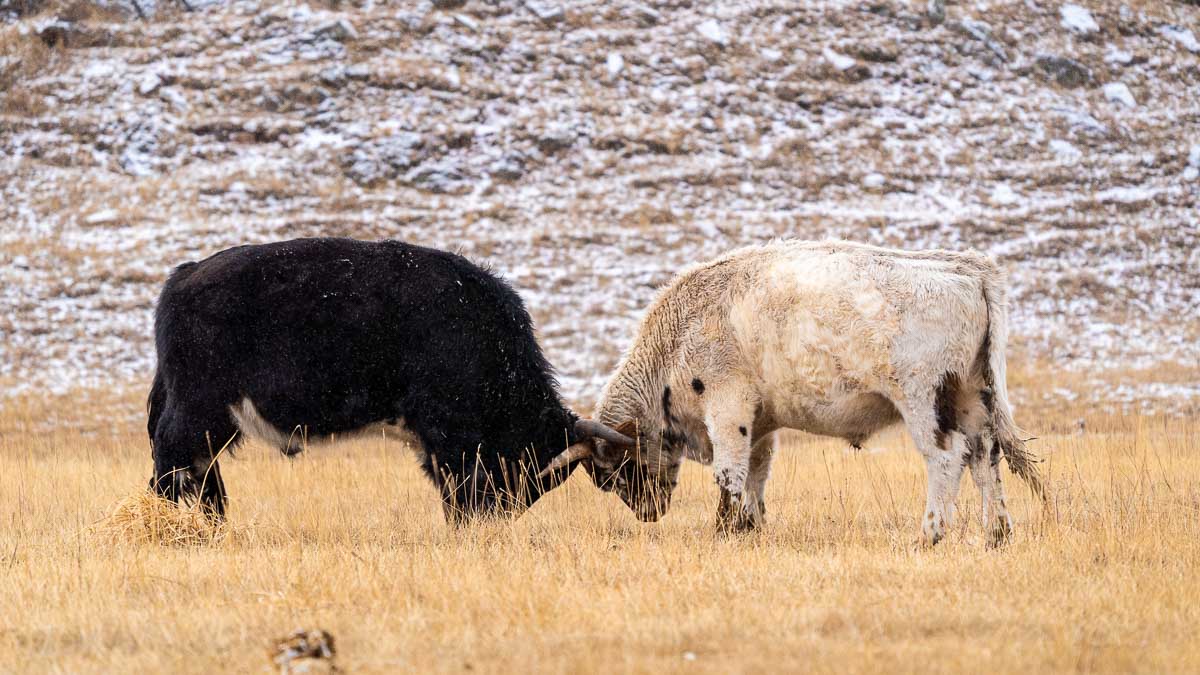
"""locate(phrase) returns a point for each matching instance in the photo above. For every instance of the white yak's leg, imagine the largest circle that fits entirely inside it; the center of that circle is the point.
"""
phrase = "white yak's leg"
(985, 470)
(945, 454)
(755, 511)
(729, 416)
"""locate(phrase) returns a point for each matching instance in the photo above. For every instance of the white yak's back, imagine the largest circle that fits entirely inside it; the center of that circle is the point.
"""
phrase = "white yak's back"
(822, 320)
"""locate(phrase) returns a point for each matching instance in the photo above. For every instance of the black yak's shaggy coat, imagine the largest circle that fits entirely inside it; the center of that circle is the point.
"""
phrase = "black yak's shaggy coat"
(328, 336)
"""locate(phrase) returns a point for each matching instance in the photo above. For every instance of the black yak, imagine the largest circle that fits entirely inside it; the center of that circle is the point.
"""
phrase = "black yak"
(318, 338)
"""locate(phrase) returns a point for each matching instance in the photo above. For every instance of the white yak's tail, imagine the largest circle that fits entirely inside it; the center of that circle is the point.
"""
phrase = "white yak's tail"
(1007, 434)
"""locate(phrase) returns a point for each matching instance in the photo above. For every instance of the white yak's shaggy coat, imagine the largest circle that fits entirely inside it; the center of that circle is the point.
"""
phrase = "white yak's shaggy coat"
(832, 338)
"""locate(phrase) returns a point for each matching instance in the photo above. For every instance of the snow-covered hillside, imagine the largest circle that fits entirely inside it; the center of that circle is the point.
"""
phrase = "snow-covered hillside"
(588, 150)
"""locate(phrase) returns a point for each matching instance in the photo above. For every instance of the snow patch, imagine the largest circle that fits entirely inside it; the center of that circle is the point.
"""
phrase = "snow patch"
(873, 181)
(1117, 92)
(148, 83)
(839, 61)
(615, 63)
(1127, 194)
(1118, 56)
(1192, 172)
(1064, 149)
(103, 217)
(316, 139)
(1078, 19)
(1004, 195)
(711, 30)
(1183, 36)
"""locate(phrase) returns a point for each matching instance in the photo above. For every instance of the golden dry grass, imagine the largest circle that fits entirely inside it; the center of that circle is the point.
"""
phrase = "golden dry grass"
(350, 539)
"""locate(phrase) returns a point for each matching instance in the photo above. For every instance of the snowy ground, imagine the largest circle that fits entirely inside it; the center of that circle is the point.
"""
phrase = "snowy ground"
(588, 150)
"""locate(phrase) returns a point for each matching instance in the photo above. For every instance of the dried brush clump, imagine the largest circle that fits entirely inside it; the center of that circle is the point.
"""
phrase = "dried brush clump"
(146, 518)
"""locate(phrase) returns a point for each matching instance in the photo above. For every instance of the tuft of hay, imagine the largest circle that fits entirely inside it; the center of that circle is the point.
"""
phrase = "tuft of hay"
(304, 651)
(146, 518)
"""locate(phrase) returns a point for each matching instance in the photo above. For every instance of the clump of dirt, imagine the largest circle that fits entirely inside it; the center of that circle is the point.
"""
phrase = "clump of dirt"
(304, 651)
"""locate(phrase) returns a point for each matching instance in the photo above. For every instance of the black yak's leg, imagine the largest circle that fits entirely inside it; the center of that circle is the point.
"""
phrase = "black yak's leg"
(212, 487)
(452, 449)
(186, 446)
(467, 492)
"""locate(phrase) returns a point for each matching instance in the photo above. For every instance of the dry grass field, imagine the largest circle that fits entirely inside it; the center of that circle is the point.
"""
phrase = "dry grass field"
(587, 155)
(350, 539)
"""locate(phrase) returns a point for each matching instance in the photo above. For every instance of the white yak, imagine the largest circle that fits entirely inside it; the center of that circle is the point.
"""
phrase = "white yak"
(832, 338)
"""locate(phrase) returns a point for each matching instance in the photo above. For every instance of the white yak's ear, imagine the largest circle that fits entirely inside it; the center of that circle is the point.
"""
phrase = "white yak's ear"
(628, 428)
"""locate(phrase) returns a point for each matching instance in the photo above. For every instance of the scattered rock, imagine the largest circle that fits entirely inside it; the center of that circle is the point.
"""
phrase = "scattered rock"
(982, 32)
(508, 168)
(771, 55)
(149, 83)
(333, 76)
(712, 31)
(449, 4)
(546, 12)
(467, 22)
(304, 95)
(1117, 56)
(102, 217)
(838, 61)
(265, 19)
(1078, 20)
(174, 98)
(1183, 36)
(1066, 72)
(60, 32)
(339, 30)
(384, 159)
(1084, 122)
(693, 66)
(56, 32)
(795, 91)
(873, 181)
(646, 16)
(936, 11)
(1065, 150)
(437, 179)
(1192, 172)
(304, 651)
(850, 69)
(881, 8)
(555, 138)
(878, 52)
(1117, 92)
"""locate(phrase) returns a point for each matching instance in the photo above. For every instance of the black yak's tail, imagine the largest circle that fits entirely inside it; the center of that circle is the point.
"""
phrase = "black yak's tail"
(155, 404)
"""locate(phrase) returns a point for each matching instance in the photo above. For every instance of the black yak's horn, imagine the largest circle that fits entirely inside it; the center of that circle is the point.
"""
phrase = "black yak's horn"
(571, 454)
